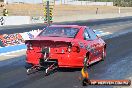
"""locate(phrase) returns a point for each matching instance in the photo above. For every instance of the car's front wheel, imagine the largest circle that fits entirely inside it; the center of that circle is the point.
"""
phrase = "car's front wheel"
(86, 61)
(103, 54)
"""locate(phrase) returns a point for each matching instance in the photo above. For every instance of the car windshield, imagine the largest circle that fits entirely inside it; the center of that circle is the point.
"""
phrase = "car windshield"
(59, 32)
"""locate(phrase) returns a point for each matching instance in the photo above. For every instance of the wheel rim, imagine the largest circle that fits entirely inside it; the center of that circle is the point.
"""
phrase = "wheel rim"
(103, 56)
(86, 61)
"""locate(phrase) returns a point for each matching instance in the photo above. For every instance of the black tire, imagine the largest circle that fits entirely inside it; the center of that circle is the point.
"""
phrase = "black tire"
(86, 61)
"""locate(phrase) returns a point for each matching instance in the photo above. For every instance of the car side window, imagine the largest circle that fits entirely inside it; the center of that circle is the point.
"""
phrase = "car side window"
(86, 35)
(91, 34)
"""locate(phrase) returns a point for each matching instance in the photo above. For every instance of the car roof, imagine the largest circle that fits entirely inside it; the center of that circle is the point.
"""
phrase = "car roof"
(71, 26)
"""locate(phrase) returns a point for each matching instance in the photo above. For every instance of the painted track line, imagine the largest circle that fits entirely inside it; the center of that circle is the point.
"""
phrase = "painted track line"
(5, 54)
(122, 25)
(101, 33)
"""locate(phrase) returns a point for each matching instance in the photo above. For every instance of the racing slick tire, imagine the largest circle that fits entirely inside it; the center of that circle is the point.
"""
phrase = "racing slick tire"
(86, 61)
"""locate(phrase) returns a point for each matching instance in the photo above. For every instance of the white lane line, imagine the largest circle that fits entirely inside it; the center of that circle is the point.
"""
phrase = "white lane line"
(12, 52)
(100, 31)
(115, 26)
(97, 30)
(10, 55)
(104, 33)
(12, 45)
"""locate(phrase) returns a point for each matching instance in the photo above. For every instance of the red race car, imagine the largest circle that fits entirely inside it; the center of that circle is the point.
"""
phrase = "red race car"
(65, 46)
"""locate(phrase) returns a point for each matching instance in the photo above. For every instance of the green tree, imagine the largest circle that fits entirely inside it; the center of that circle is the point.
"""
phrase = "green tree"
(123, 3)
(1, 0)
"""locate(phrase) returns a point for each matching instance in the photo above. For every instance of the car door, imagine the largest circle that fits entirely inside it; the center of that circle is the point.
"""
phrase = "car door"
(95, 46)
(88, 44)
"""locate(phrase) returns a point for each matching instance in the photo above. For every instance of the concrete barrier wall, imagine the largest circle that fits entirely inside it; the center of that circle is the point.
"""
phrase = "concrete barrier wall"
(14, 20)
(20, 20)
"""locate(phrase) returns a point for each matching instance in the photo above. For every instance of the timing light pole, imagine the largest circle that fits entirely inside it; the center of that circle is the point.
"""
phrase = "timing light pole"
(48, 13)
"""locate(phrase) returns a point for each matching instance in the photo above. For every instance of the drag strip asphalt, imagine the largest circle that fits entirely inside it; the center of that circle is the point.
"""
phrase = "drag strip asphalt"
(117, 65)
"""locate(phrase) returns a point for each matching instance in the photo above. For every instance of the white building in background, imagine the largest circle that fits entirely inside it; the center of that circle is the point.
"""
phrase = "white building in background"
(30, 1)
(23, 1)
(37, 1)
(58, 2)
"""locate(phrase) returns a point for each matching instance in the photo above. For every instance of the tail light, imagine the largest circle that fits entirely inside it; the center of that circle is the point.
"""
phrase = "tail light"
(69, 49)
(73, 49)
(29, 46)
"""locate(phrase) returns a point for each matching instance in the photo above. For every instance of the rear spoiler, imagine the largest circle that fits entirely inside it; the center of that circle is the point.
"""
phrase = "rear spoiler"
(68, 42)
(53, 39)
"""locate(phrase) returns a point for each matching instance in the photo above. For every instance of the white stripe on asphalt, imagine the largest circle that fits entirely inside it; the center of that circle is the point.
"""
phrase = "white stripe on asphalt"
(108, 27)
(100, 31)
(12, 52)
(104, 33)
(10, 55)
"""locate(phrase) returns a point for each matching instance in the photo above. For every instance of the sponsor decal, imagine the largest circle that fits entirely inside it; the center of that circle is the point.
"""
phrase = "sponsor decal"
(81, 45)
(11, 39)
(88, 47)
(37, 19)
(30, 36)
(93, 50)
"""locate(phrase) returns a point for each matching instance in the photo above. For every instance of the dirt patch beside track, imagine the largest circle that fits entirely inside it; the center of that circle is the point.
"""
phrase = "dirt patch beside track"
(62, 10)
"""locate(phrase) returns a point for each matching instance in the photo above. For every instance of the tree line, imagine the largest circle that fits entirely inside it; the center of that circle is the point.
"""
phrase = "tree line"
(122, 3)
(1, 0)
